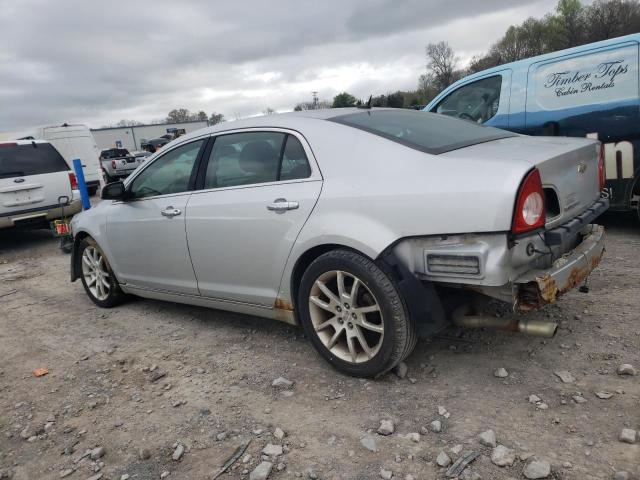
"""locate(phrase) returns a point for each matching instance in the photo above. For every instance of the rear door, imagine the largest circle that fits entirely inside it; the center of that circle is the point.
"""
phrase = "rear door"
(33, 176)
(593, 93)
(259, 188)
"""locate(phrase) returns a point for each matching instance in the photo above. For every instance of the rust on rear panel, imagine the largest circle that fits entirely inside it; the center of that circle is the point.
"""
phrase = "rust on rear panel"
(282, 305)
(546, 290)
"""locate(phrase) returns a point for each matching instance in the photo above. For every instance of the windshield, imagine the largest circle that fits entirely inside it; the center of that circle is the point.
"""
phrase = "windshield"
(427, 132)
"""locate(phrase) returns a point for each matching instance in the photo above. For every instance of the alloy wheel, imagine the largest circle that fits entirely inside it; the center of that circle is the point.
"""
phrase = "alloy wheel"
(96, 275)
(346, 316)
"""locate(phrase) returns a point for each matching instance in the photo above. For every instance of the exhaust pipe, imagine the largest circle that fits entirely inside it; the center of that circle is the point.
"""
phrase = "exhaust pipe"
(537, 328)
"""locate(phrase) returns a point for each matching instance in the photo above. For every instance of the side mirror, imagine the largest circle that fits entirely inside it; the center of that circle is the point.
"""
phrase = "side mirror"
(113, 191)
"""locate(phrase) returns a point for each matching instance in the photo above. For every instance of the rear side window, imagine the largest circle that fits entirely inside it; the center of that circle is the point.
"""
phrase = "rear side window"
(255, 157)
(427, 132)
(32, 159)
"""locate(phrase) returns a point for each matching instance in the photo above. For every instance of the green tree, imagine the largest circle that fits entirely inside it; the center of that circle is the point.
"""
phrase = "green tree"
(343, 99)
(178, 115)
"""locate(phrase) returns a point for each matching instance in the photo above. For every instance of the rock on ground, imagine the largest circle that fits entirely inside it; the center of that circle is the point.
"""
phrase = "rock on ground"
(627, 435)
(272, 450)
(261, 472)
(386, 427)
(536, 469)
(369, 443)
(401, 370)
(565, 376)
(503, 456)
(436, 426)
(282, 382)
(487, 438)
(626, 369)
(386, 474)
(177, 453)
(443, 460)
(501, 373)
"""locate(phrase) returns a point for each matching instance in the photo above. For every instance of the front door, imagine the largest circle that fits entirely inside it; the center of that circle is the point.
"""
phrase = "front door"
(147, 232)
(258, 191)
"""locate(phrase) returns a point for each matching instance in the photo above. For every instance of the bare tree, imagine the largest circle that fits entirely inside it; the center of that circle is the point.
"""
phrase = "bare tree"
(442, 63)
(216, 118)
(268, 111)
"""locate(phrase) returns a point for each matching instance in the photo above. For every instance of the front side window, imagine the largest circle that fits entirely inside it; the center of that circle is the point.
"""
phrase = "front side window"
(168, 174)
(255, 157)
(477, 101)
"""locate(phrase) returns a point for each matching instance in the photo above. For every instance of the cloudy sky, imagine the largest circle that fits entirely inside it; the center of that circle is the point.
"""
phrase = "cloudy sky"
(99, 62)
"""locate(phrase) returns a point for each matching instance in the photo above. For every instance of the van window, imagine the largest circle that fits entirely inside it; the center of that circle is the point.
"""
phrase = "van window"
(587, 79)
(32, 159)
(478, 101)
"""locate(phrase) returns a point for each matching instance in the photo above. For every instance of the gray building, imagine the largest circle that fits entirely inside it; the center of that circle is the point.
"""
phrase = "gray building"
(132, 138)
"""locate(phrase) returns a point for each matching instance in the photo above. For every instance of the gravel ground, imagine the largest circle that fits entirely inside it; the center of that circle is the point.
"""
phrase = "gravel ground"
(151, 388)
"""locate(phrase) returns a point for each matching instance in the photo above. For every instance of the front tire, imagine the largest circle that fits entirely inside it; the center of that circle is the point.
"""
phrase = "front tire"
(98, 279)
(354, 315)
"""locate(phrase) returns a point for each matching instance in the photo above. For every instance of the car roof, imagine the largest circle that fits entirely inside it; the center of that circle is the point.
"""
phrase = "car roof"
(278, 120)
(22, 142)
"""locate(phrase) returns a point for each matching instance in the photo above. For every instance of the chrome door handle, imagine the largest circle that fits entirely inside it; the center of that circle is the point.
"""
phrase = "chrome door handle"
(281, 205)
(170, 212)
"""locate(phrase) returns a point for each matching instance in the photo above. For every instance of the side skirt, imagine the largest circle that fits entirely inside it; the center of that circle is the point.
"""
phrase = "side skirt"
(281, 315)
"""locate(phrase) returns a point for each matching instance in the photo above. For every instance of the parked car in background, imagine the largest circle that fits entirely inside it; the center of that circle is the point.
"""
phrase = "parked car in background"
(360, 225)
(118, 163)
(36, 184)
(155, 144)
(587, 91)
(141, 155)
(71, 141)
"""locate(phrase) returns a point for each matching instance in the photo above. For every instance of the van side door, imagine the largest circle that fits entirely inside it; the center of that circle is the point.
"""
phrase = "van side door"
(592, 93)
(482, 100)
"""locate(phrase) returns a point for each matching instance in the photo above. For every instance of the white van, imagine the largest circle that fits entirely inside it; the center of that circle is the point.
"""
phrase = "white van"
(72, 141)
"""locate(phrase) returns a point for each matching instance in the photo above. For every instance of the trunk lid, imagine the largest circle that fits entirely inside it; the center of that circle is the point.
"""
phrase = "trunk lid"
(568, 169)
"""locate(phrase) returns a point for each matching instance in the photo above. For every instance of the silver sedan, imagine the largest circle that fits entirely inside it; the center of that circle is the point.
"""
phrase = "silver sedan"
(368, 227)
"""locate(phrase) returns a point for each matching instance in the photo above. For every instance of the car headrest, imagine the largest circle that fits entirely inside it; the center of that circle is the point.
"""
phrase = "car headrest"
(258, 157)
(228, 151)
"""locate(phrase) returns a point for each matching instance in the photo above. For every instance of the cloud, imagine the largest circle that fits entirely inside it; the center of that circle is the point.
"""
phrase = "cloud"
(98, 62)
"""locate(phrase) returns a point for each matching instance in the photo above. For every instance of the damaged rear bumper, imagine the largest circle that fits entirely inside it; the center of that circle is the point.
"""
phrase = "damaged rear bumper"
(539, 287)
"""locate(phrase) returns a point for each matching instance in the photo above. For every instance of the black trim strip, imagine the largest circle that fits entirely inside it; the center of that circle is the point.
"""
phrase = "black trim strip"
(31, 210)
(573, 226)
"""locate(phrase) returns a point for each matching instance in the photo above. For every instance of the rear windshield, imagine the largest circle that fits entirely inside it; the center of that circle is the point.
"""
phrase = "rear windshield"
(427, 132)
(115, 153)
(32, 159)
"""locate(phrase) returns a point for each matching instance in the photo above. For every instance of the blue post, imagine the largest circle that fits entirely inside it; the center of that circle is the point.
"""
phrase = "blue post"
(82, 186)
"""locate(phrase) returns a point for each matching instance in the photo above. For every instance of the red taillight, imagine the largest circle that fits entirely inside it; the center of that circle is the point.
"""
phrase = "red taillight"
(113, 164)
(2, 145)
(529, 214)
(601, 176)
(73, 181)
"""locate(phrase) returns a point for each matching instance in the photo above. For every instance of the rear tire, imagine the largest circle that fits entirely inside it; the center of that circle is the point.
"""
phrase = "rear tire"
(354, 315)
(96, 275)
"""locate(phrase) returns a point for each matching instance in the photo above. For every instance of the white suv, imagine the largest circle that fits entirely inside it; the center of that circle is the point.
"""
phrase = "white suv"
(35, 183)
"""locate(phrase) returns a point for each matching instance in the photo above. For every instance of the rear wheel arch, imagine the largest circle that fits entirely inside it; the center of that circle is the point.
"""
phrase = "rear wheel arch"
(307, 259)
